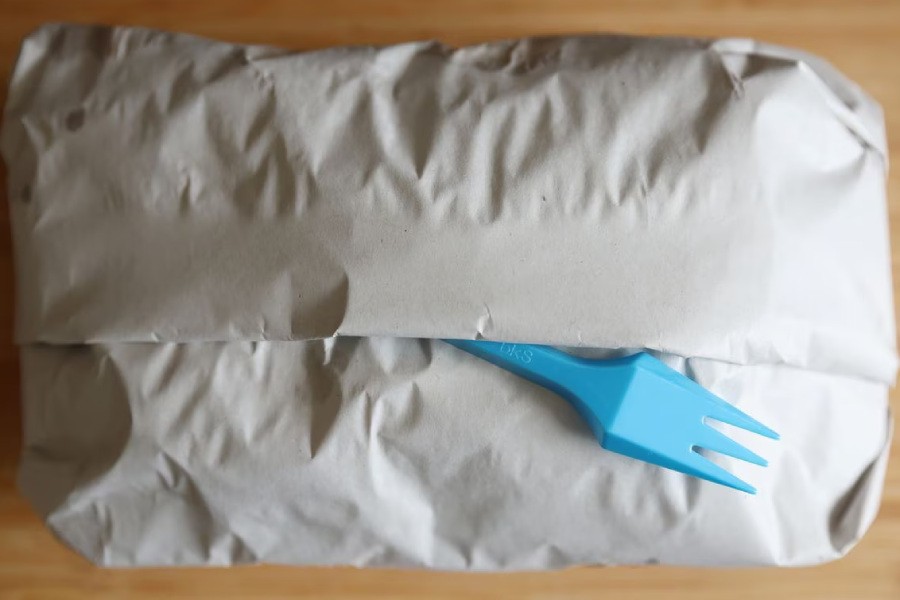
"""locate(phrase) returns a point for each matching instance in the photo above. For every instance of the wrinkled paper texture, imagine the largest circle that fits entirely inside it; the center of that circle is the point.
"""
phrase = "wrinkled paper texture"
(194, 222)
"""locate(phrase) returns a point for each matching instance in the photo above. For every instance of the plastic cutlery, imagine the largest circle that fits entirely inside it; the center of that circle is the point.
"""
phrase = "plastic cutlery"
(636, 406)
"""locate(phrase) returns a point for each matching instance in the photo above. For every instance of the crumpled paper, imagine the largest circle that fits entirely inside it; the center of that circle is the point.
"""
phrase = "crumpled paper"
(225, 254)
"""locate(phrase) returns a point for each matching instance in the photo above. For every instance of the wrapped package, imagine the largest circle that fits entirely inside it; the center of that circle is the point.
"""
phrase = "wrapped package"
(234, 264)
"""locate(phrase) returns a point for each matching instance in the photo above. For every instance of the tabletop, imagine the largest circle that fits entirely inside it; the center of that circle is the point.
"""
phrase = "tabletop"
(860, 37)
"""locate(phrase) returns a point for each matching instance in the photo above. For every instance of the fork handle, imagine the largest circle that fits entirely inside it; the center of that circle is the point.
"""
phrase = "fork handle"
(543, 365)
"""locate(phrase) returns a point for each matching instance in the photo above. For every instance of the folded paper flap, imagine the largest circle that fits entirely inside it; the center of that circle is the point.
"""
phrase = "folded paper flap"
(861, 115)
(600, 191)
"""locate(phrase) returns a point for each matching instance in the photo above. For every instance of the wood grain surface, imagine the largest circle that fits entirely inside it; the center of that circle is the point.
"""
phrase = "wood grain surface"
(862, 38)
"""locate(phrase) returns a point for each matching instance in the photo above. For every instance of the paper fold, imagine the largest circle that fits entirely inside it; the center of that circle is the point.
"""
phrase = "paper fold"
(192, 219)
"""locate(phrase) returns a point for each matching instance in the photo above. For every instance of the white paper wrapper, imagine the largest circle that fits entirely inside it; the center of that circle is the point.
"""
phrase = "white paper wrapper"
(191, 218)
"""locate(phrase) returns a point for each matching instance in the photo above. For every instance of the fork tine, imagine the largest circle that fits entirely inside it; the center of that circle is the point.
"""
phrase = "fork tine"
(711, 439)
(684, 460)
(702, 467)
(717, 408)
(721, 410)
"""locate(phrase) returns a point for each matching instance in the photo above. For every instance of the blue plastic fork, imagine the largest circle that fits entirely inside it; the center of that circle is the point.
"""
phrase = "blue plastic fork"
(636, 406)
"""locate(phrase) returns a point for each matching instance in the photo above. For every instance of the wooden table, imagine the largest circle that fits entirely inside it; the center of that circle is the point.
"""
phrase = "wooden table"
(862, 38)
